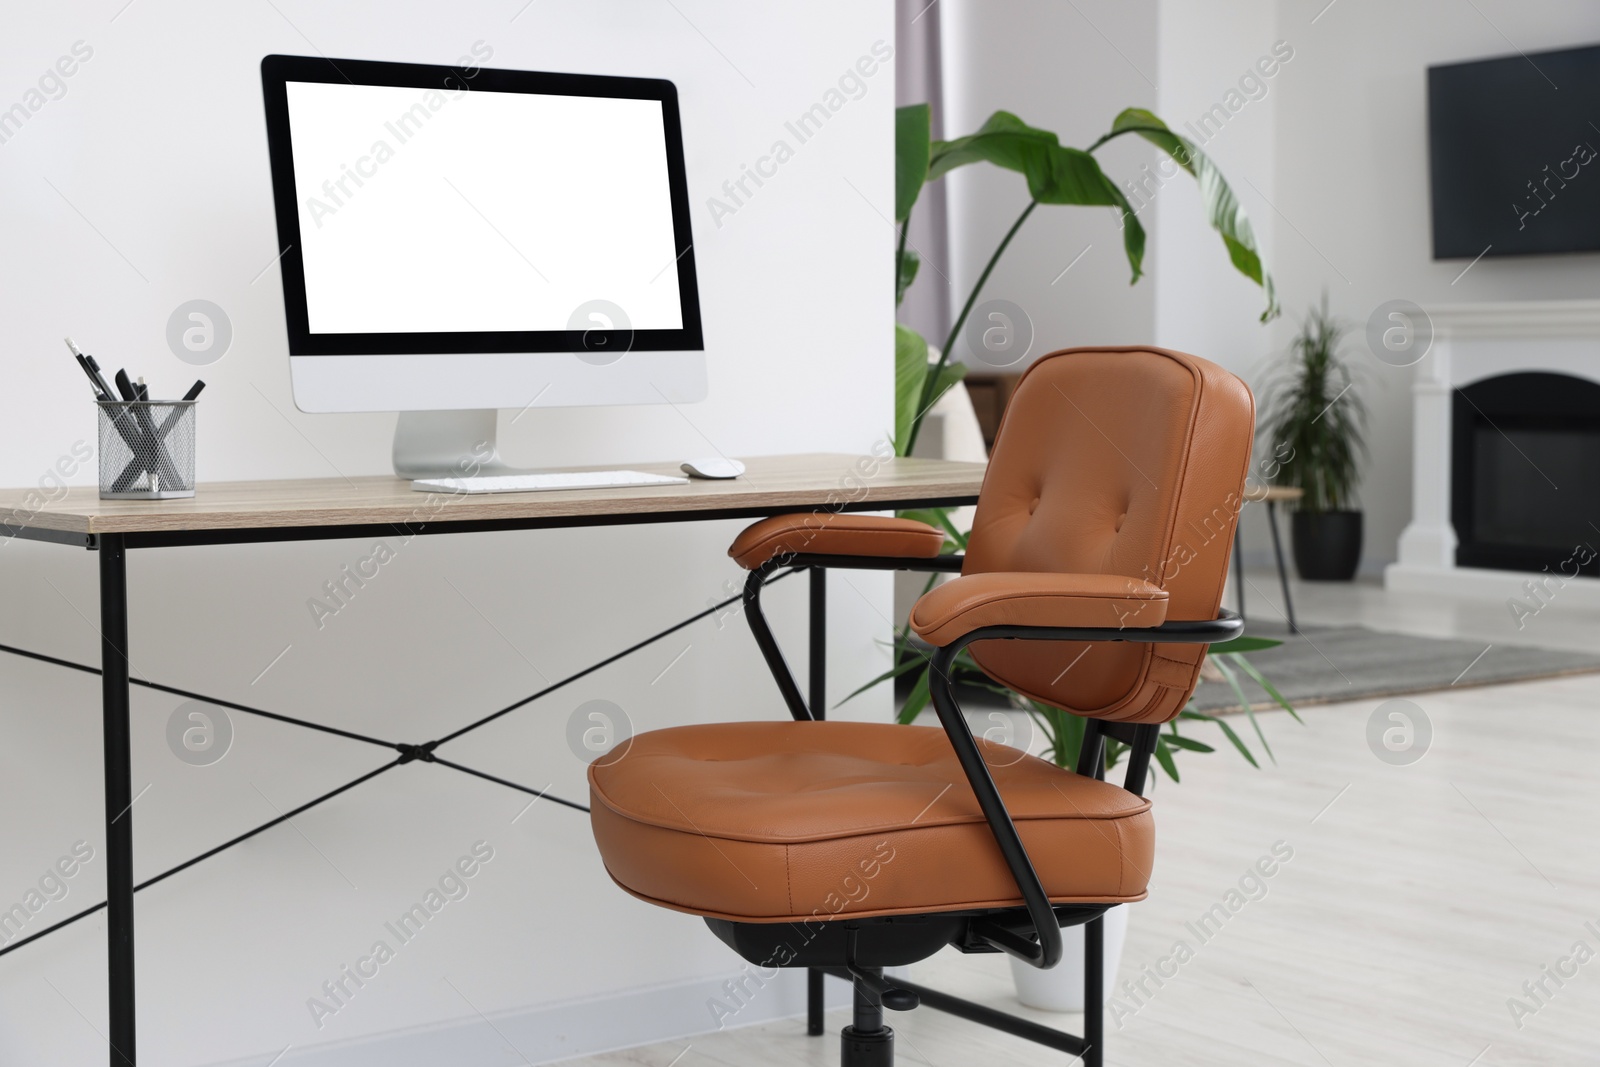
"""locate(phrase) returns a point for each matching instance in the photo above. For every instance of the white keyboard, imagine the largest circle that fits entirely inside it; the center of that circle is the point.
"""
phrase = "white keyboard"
(540, 483)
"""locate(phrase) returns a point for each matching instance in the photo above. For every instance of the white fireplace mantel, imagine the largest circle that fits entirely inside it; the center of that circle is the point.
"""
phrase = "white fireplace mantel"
(1472, 342)
(1517, 319)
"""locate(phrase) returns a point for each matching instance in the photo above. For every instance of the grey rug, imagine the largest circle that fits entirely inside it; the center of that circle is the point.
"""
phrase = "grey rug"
(1327, 664)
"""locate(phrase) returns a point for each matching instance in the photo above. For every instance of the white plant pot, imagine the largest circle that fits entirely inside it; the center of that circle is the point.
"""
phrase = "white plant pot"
(1061, 987)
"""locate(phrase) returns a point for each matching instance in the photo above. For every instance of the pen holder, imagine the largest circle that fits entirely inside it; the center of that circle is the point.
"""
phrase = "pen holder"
(146, 449)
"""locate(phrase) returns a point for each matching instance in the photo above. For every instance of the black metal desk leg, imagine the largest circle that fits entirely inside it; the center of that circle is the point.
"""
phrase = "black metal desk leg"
(1283, 572)
(817, 699)
(119, 796)
(1094, 991)
(816, 689)
(1238, 569)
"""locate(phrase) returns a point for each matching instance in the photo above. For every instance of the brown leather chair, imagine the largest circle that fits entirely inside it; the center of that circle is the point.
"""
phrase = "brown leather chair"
(1092, 581)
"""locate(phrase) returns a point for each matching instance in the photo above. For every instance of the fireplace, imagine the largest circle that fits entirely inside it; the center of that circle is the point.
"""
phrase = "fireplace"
(1505, 461)
(1525, 473)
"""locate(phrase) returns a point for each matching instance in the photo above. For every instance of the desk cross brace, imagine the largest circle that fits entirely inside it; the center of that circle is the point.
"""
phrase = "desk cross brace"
(408, 753)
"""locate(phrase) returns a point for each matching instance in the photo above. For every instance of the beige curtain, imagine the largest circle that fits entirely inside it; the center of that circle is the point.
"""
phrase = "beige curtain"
(917, 74)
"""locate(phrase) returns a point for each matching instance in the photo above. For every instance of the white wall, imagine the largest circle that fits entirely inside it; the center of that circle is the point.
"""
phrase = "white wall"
(1340, 149)
(146, 185)
(1203, 305)
(1068, 68)
(1330, 163)
(1071, 69)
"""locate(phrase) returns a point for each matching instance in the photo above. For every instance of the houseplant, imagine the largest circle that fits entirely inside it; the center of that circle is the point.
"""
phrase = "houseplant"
(1313, 414)
(1055, 174)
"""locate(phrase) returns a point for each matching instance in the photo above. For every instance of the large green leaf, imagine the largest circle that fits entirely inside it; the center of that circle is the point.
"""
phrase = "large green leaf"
(1221, 663)
(1238, 742)
(910, 370)
(1132, 235)
(1177, 740)
(911, 147)
(1164, 757)
(948, 375)
(916, 700)
(1261, 680)
(1243, 644)
(1055, 173)
(909, 262)
(1223, 209)
(906, 665)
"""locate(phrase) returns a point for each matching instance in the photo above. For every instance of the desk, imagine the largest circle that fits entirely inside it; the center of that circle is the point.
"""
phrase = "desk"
(253, 512)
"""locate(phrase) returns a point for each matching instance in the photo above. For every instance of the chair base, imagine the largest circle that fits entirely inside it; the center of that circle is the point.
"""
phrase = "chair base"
(866, 1049)
(857, 950)
(880, 941)
(891, 941)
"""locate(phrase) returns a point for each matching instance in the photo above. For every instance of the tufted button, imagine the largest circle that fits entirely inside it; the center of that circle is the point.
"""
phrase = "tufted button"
(1033, 506)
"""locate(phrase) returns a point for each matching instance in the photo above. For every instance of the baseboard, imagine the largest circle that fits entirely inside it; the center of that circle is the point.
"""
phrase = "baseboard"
(553, 1032)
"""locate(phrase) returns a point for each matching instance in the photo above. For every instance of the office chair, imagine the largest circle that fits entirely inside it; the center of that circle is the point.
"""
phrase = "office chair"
(1092, 581)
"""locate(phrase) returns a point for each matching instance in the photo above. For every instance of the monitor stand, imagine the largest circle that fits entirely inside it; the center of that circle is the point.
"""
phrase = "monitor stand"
(448, 444)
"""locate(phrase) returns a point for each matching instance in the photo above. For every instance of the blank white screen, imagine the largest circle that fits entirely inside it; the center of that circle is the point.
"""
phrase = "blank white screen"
(428, 211)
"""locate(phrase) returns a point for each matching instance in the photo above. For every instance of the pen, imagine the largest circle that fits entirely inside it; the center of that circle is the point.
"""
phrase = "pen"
(140, 437)
(100, 379)
(138, 396)
(118, 420)
(167, 424)
(92, 369)
(177, 412)
(98, 395)
(130, 434)
(139, 432)
(88, 373)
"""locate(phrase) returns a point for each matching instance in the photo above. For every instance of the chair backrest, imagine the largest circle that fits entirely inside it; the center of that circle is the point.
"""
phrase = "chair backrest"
(1125, 461)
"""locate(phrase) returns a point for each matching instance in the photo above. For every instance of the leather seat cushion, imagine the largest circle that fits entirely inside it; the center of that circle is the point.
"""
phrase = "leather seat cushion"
(785, 821)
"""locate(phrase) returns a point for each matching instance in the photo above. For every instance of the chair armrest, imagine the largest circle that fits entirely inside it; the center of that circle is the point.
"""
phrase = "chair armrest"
(1059, 601)
(834, 534)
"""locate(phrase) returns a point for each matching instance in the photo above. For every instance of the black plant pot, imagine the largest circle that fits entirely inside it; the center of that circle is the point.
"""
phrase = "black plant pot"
(1327, 545)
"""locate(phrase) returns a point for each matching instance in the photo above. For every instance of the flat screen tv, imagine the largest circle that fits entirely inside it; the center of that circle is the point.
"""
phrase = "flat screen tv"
(1514, 154)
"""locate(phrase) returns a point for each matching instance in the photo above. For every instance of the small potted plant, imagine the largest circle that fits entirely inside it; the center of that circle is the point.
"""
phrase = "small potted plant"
(1314, 421)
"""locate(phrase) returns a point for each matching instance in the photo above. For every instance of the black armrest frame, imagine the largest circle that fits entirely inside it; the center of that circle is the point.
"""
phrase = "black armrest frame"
(941, 688)
(1140, 737)
(763, 632)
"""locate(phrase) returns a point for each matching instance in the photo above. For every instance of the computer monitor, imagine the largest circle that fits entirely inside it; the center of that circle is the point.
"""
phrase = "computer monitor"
(457, 240)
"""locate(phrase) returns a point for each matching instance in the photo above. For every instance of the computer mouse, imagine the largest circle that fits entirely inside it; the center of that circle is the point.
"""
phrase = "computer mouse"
(713, 467)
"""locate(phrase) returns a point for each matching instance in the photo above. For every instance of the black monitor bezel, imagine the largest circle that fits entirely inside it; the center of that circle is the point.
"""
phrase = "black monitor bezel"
(277, 70)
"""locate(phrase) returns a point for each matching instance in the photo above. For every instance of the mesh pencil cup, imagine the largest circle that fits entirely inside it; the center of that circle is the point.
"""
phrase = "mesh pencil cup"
(146, 449)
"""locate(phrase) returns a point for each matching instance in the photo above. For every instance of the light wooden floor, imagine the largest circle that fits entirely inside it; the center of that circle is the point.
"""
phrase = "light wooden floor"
(1418, 900)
